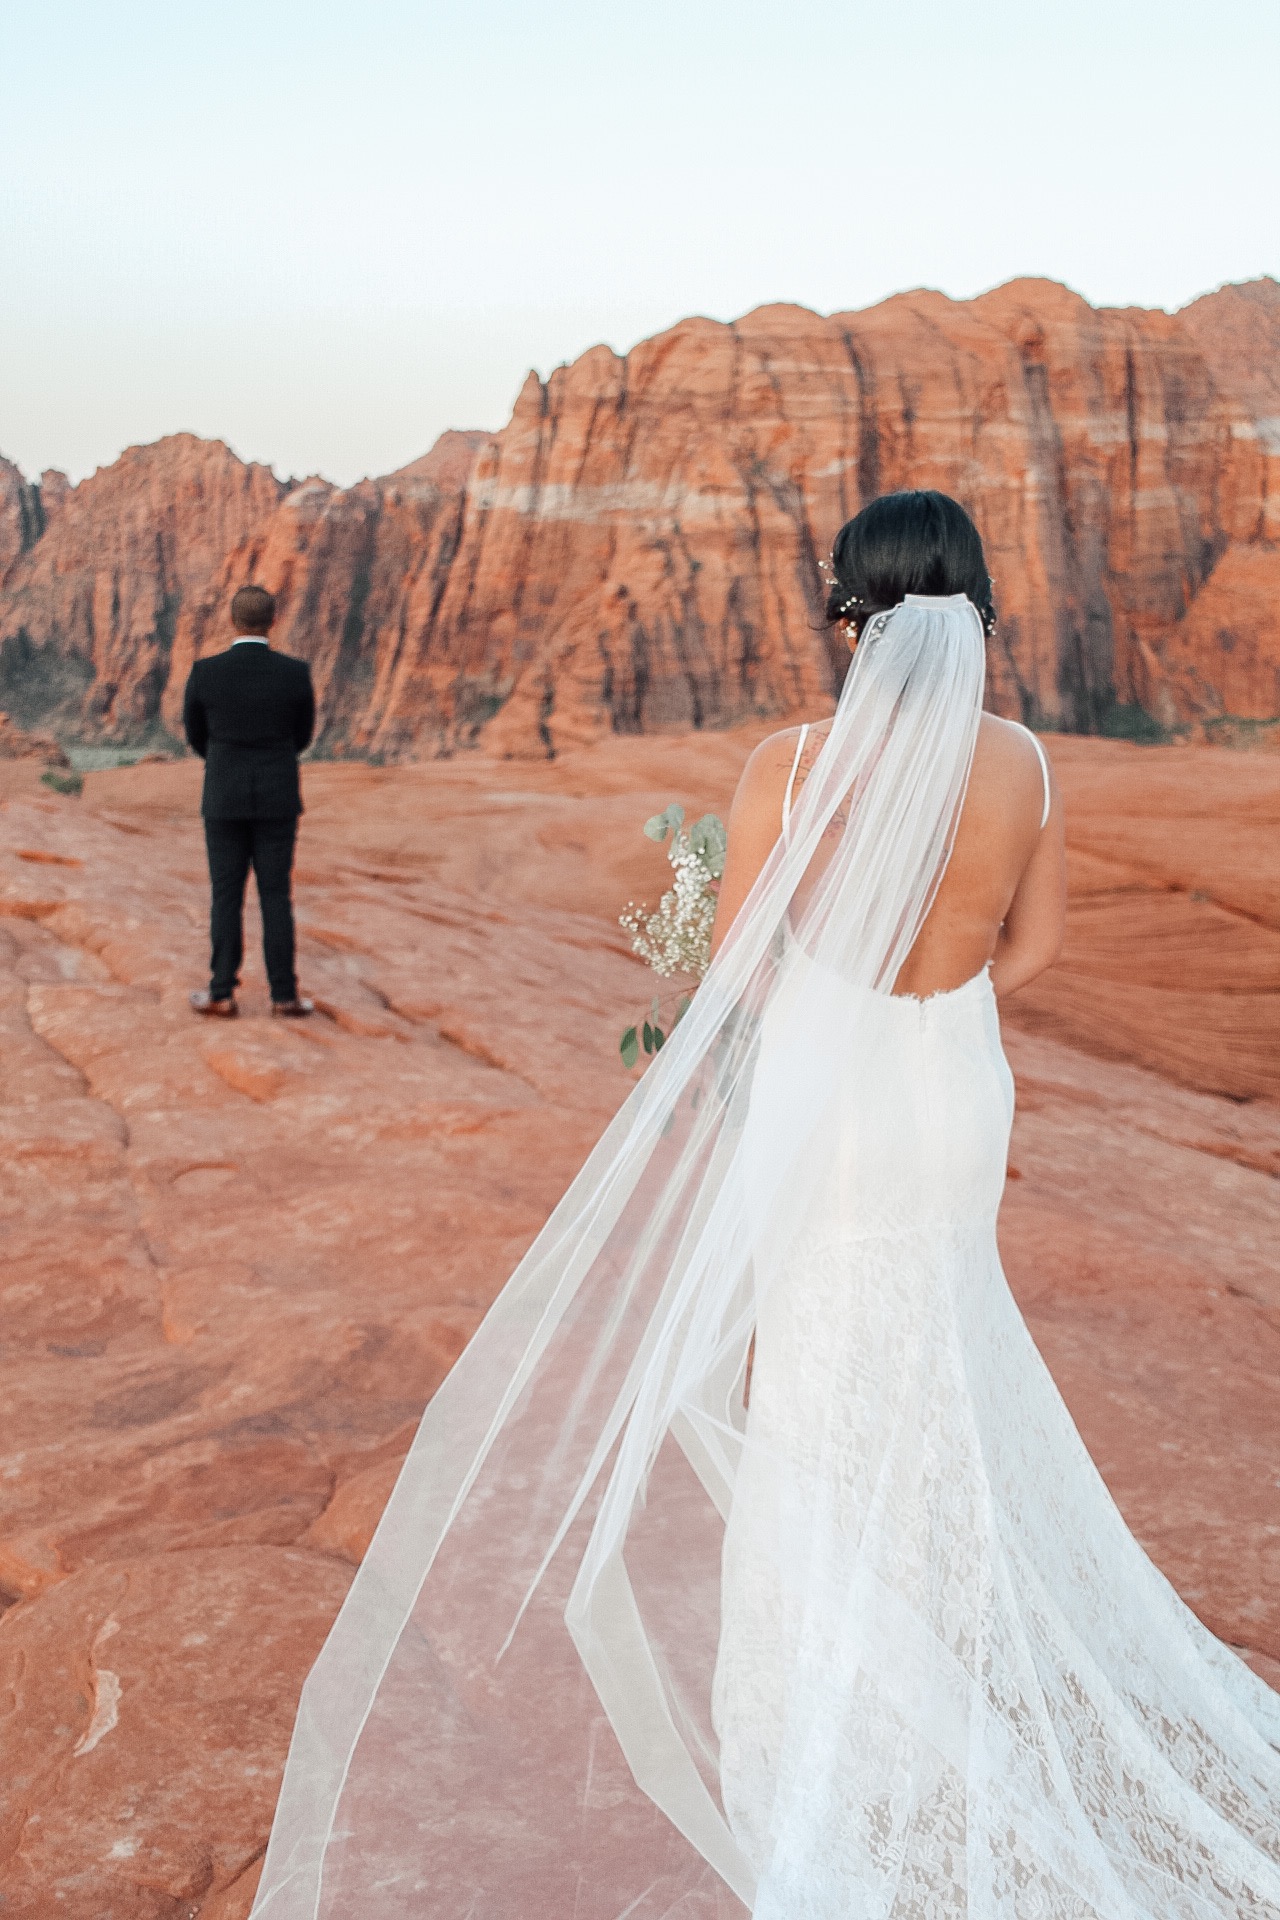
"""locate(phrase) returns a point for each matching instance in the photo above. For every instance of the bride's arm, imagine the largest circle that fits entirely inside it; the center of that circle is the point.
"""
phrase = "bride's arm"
(755, 821)
(1036, 923)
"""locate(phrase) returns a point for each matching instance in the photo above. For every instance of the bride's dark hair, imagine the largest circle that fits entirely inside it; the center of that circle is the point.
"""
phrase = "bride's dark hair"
(917, 542)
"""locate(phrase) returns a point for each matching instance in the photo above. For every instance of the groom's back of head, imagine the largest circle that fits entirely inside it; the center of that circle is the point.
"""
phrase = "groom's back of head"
(253, 610)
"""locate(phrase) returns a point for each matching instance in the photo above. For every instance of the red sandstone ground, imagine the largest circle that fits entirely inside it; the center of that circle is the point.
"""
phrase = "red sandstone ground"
(241, 1258)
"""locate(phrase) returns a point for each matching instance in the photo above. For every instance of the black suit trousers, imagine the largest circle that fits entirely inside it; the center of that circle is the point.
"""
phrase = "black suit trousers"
(267, 846)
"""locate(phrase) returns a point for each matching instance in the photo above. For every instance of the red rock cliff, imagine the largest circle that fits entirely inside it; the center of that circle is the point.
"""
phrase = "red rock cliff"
(88, 611)
(357, 571)
(21, 517)
(638, 548)
(1223, 659)
(640, 545)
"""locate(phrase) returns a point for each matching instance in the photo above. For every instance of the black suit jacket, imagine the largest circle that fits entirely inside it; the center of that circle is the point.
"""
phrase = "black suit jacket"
(248, 713)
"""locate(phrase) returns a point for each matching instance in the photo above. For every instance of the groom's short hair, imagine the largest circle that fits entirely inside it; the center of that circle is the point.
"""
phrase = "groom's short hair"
(253, 610)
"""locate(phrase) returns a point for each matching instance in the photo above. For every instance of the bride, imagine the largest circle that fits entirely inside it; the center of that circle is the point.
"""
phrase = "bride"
(748, 1560)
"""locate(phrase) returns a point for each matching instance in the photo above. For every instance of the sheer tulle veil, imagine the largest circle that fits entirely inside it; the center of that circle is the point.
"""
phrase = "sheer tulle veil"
(512, 1715)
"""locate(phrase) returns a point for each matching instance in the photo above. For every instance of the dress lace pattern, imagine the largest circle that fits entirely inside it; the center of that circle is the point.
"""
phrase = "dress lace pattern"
(949, 1682)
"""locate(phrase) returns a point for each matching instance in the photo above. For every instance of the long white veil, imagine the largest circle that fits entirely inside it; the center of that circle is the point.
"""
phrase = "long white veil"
(512, 1715)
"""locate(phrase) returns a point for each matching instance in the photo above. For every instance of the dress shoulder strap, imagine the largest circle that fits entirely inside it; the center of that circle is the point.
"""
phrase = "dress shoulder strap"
(791, 782)
(1044, 773)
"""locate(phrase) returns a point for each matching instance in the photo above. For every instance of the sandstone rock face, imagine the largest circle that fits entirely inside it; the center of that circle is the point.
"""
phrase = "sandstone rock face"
(238, 1261)
(17, 744)
(1237, 329)
(90, 608)
(1223, 660)
(356, 571)
(1221, 664)
(661, 517)
(54, 491)
(130, 1679)
(449, 462)
(21, 520)
(1172, 958)
(637, 550)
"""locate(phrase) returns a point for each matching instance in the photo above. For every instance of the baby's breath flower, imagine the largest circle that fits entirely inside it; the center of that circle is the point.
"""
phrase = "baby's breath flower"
(676, 936)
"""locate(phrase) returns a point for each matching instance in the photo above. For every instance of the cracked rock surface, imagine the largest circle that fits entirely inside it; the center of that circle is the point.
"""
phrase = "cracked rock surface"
(239, 1258)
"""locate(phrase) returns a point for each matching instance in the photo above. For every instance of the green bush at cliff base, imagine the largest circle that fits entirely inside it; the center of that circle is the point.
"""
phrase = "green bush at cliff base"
(1123, 722)
(1233, 730)
(63, 782)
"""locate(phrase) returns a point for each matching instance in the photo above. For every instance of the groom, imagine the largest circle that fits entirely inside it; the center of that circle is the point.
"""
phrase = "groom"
(248, 713)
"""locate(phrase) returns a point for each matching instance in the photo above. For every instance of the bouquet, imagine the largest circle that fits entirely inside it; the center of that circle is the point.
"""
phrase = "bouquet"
(676, 937)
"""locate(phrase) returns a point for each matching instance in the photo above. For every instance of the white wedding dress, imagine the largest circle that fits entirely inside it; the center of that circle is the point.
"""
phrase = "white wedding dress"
(879, 1646)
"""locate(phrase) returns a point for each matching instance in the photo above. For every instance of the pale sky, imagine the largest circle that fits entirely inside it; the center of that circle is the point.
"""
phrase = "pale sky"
(325, 231)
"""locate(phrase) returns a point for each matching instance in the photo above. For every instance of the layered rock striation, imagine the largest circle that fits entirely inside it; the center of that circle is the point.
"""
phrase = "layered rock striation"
(638, 549)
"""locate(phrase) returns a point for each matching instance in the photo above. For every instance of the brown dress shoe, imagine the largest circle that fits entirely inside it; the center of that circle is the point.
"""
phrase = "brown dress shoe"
(225, 1009)
(292, 1009)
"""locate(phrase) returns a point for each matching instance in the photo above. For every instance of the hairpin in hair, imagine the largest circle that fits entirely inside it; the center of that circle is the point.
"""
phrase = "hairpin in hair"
(848, 607)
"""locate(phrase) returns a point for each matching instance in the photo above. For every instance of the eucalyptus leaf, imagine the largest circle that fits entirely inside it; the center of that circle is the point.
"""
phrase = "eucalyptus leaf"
(629, 1047)
(658, 1038)
(648, 1037)
(708, 839)
(670, 820)
(683, 1005)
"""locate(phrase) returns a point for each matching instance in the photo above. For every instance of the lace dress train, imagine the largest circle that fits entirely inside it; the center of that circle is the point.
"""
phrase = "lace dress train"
(949, 1682)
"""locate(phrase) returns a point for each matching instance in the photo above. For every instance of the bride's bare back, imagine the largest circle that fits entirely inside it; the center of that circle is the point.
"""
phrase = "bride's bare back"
(1003, 896)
